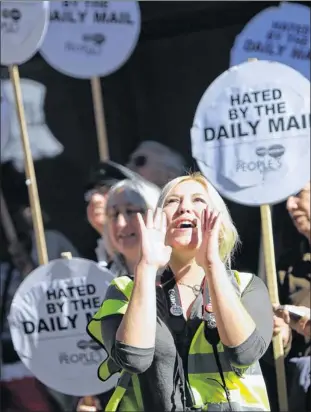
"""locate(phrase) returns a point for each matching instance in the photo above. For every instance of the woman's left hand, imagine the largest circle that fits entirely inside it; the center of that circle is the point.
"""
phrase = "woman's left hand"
(208, 254)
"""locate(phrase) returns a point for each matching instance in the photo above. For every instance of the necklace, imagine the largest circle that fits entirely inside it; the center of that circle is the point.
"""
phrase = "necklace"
(196, 289)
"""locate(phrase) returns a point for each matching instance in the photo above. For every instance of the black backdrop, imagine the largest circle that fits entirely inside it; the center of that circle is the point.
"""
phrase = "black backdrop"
(183, 47)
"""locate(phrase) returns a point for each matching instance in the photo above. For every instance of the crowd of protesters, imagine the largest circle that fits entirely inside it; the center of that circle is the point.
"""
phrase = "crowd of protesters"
(115, 194)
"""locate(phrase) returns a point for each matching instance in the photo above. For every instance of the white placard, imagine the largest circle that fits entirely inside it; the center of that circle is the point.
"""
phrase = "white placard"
(279, 33)
(48, 319)
(43, 143)
(5, 120)
(91, 38)
(251, 133)
(23, 26)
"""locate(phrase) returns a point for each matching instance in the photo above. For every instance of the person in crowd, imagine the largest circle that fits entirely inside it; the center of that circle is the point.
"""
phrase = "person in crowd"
(101, 179)
(124, 200)
(20, 391)
(294, 267)
(299, 367)
(156, 162)
(193, 339)
(294, 276)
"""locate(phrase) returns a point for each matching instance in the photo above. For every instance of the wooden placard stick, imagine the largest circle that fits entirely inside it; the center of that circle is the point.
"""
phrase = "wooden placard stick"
(98, 105)
(272, 283)
(29, 168)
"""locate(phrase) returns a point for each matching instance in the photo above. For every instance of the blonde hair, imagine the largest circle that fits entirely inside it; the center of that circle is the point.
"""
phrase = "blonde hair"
(229, 238)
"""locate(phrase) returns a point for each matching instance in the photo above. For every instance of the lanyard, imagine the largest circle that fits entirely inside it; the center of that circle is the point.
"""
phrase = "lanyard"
(207, 308)
(172, 296)
(175, 306)
(177, 325)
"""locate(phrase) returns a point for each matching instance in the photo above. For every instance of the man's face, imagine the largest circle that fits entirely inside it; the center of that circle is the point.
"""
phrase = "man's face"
(96, 199)
(299, 207)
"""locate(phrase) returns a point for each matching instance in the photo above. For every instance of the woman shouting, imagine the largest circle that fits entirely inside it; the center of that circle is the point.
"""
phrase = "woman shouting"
(193, 340)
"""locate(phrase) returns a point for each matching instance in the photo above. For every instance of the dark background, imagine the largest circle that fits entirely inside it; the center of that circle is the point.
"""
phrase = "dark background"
(182, 48)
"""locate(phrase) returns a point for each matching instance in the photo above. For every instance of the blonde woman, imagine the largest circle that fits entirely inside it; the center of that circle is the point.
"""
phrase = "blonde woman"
(193, 341)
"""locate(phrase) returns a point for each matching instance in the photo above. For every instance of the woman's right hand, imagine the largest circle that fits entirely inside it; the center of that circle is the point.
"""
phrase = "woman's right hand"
(153, 251)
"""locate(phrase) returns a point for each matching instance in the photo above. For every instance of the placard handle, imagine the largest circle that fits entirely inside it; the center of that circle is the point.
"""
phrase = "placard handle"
(271, 277)
(29, 168)
(98, 106)
(278, 350)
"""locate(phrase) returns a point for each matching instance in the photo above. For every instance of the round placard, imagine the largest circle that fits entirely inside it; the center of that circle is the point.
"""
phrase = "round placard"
(279, 33)
(91, 38)
(251, 133)
(23, 26)
(48, 319)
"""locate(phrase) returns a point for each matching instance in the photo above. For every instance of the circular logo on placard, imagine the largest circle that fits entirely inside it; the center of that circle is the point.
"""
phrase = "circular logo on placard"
(48, 318)
(91, 38)
(251, 132)
(23, 26)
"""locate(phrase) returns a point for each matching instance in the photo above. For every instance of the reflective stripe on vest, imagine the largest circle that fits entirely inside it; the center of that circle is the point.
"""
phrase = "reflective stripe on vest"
(125, 397)
(118, 294)
(106, 369)
(246, 386)
(119, 392)
(127, 389)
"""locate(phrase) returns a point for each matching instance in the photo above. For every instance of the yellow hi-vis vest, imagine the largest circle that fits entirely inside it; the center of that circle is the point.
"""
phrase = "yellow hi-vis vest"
(246, 386)
(127, 395)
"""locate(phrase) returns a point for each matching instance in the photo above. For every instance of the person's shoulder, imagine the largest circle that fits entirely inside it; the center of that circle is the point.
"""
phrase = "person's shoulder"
(241, 279)
(250, 282)
(120, 288)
